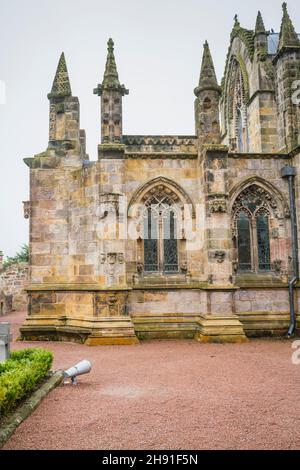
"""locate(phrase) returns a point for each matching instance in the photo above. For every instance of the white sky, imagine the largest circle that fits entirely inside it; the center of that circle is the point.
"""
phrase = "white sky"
(158, 48)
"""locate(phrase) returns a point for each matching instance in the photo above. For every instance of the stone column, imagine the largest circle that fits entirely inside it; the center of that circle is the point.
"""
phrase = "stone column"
(219, 323)
(113, 324)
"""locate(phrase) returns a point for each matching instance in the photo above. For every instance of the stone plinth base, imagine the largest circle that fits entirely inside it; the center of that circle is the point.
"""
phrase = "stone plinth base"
(220, 329)
(266, 324)
(91, 331)
(123, 316)
(84, 315)
(165, 325)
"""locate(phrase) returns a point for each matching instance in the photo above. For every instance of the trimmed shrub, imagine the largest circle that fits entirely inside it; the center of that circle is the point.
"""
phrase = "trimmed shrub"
(21, 374)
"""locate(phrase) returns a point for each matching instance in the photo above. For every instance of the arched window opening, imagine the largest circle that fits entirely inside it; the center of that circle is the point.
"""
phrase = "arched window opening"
(236, 107)
(160, 234)
(251, 218)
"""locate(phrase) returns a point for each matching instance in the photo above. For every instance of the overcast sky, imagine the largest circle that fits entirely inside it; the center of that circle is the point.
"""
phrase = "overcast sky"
(158, 47)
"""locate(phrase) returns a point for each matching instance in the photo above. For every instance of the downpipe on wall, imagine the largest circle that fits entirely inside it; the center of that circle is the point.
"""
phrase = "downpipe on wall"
(290, 173)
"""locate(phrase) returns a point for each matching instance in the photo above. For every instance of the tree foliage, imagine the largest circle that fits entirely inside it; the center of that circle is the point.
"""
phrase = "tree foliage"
(22, 256)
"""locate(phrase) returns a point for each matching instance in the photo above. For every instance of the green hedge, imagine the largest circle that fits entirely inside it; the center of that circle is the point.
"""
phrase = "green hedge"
(21, 374)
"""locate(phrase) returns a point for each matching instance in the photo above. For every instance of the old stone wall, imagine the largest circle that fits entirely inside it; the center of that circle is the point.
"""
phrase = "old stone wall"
(13, 281)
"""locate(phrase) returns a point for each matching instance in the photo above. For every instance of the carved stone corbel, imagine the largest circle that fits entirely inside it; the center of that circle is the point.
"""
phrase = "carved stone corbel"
(218, 256)
(27, 209)
(277, 266)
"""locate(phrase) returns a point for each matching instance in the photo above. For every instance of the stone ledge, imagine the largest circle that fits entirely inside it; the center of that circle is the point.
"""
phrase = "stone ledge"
(161, 155)
(260, 281)
(8, 427)
(201, 286)
(74, 288)
(96, 288)
(111, 151)
(215, 148)
(259, 156)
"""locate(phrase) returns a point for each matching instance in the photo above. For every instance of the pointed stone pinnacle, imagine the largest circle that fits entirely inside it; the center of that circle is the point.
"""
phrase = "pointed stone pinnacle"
(259, 27)
(111, 77)
(208, 79)
(61, 85)
(236, 21)
(288, 35)
(110, 45)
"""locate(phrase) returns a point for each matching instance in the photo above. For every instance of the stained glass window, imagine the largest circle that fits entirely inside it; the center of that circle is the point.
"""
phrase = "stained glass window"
(170, 244)
(150, 242)
(263, 242)
(244, 242)
(160, 235)
(252, 211)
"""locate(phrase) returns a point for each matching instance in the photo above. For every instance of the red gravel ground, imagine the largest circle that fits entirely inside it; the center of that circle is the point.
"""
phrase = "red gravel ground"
(169, 395)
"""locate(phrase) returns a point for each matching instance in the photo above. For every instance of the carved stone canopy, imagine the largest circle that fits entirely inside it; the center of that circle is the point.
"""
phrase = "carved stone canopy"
(217, 203)
(110, 203)
(255, 198)
(112, 258)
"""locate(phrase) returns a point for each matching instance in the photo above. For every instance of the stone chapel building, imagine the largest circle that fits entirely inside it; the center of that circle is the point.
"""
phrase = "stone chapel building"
(173, 236)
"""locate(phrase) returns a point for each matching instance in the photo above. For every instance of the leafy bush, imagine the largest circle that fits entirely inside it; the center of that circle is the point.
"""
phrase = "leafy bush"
(21, 374)
(21, 256)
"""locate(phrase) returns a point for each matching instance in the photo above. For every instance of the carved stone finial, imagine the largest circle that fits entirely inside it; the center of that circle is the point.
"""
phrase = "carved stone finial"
(110, 45)
(61, 87)
(111, 77)
(259, 27)
(236, 21)
(288, 36)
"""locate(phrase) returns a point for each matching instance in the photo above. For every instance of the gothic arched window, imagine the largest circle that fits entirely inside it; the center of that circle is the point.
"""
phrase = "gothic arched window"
(236, 107)
(251, 218)
(160, 234)
(161, 220)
